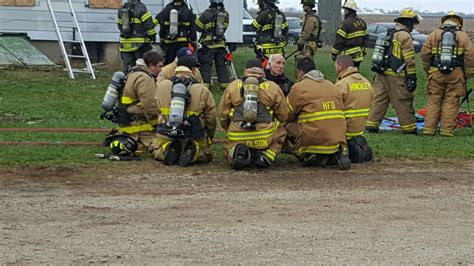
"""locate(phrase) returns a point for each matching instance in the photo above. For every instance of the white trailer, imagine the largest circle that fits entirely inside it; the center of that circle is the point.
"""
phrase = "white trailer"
(97, 20)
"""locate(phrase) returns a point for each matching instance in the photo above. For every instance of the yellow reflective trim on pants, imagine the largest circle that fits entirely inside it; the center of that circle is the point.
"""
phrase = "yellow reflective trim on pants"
(127, 100)
(180, 39)
(166, 111)
(320, 149)
(446, 133)
(138, 128)
(134, 40)
(252, 134)
(335, 51)
(429, 131)
(409, 127)
(372, 124)
(364, 112)
(352, 51)
(270, 154)
(322, 115)
(199, 23)
(354, 134)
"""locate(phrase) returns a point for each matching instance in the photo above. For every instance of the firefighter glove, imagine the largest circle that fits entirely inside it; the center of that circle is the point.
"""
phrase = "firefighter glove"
(153, 39)
(334, 57)
(411, 83)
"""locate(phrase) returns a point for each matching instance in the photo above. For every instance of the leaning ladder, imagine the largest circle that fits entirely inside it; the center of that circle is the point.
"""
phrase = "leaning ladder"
(75, 28)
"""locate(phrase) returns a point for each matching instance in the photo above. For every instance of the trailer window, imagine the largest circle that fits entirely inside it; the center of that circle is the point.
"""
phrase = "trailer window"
(17, 2)
(104, 3)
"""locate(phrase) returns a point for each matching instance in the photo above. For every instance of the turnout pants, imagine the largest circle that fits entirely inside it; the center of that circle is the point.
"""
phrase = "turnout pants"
(207, 57)
(275, 144)
(392, 90)
(171, 50)
(444, 91)
(203, 155)
(129, 58)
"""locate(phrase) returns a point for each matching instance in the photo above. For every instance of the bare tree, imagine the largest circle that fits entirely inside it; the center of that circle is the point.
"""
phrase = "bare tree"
(330, 12)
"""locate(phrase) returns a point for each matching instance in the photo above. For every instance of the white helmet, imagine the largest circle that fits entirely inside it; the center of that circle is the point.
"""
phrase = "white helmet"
(350, 4)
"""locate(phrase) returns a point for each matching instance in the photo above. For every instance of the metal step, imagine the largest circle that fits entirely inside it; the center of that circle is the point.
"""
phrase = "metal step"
(66, 26)
(75, 70)
(72, 41)
(62, 11)
(75, 56)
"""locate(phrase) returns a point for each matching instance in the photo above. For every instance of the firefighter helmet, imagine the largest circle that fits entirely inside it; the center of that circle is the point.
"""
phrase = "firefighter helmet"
(452, 14)
(409, 14)
(121, 144)
(351, 5)
(308, 2)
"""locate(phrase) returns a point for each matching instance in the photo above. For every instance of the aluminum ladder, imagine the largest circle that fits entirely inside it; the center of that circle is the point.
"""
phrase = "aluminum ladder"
(75, 29)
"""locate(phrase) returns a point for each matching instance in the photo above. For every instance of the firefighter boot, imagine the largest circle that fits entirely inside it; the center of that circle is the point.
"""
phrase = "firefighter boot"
(356, 154)
(342, 159)
(260, 160)
(311, 159)
(188, 154)
(172, 153)
(240, 157)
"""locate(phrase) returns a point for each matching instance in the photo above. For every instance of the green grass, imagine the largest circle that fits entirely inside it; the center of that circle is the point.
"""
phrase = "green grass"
(48, 98)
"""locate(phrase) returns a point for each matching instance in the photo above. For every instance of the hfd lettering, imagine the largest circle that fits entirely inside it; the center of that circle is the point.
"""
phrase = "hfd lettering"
(329, 105)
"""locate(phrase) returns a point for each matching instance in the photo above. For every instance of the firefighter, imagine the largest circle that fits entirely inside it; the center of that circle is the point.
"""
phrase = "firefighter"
(177, 29)
(351, 35)
(357, 97)
(271, 27)
(275, 72)
(395, 81)
(187, 120)
(168, 71)
(316, 126)
(309, 42)
(141, 113)
(448, 60)
(251, 111)
(213, 24)
(137, 32)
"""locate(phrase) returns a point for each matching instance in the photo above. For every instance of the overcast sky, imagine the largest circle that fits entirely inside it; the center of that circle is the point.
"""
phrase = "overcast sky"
(466, 6)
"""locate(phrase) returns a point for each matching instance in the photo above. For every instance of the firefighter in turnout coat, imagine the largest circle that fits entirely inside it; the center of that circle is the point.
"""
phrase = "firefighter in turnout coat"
(137, 32)
(199, 113)
(395, 81)
(213, 24)
(316, 126)
(351, 35)
(448, 60)
(357, 96)
(251, 111)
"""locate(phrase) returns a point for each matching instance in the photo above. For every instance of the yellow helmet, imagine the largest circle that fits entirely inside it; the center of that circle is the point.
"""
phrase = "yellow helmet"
(409, 14)
(453, 14)
(350, 4)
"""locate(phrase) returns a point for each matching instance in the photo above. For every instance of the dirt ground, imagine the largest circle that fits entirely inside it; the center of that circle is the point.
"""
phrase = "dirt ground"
(395, 212)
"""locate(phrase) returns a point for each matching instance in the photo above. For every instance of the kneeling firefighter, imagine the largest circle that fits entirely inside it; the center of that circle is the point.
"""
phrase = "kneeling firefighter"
(272, 28)
(448, 60)
(251, 111)
(129, 102)
(187, 120)
(316, 125)
(357, 95)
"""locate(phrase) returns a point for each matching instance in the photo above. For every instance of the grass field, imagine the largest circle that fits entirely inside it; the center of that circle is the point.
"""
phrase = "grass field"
(41, 98)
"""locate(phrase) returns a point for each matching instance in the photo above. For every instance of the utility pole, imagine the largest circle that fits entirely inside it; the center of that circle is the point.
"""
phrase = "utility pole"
(330, 12)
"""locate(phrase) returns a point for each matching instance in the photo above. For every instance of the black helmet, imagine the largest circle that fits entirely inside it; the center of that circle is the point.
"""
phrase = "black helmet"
(121, 144)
